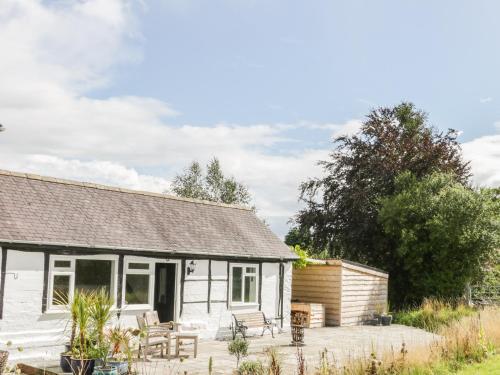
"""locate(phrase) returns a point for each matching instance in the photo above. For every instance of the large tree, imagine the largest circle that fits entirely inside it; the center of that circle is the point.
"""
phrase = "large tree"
(212, 186)
(341, 208)
(443, 233)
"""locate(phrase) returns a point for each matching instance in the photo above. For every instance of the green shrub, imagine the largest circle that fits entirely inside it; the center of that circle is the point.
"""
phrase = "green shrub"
(432, 315)
(251, 368)
(239, 348)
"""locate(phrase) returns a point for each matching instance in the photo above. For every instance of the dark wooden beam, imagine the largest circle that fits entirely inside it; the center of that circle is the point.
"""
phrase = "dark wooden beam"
(183, 279)
(46, 264)
(228, 281)
(282, 282)
(260, 286)
(83, 250)
(2, 279)
(119, 286)
(209, 284)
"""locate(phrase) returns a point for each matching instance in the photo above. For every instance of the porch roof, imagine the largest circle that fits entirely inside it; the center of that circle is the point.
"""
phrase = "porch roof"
(49, 211)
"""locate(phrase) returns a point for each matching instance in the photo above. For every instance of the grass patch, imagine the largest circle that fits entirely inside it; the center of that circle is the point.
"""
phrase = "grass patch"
(433, 315)
(491, 366)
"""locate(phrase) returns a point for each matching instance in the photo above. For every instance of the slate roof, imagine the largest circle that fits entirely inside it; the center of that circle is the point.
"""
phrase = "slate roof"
(49, 211)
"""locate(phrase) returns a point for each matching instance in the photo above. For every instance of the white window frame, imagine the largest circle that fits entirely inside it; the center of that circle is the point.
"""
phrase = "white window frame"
(70, 271)
(243, 274)
(150, 272)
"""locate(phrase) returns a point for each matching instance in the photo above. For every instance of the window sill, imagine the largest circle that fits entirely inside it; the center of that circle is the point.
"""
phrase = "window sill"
(241, 305)
(136, 307)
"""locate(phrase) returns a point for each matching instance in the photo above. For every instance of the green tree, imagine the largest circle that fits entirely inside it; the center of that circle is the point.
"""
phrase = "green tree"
(213, 186)
(443, 233)
(341, 208)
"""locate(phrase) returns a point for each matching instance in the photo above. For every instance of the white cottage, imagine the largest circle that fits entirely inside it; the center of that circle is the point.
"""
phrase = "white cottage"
(193, 261)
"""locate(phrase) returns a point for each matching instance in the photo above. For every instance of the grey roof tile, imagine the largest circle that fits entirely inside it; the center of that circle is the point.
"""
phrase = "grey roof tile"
(46, 210)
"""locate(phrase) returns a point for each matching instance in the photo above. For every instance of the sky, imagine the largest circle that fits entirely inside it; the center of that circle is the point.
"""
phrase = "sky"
(128, 93)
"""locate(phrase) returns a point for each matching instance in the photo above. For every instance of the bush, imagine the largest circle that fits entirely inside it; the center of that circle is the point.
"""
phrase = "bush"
(239, 348)
(433, 314)
(251, 368)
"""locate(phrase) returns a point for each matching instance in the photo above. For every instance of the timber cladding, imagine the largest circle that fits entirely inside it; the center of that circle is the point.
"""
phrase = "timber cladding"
(350, 292)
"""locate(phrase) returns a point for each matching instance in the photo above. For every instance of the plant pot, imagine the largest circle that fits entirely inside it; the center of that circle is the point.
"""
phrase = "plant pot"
(386, 320)
(82, 366)
(65, 362)
(108, 370)
(121, 366)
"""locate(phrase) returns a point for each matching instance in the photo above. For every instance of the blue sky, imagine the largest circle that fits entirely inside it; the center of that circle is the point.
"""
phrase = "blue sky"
(323, 61)
(127, 93)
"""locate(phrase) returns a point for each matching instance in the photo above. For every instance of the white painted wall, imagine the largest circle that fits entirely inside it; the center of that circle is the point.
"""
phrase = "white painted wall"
(43, 335)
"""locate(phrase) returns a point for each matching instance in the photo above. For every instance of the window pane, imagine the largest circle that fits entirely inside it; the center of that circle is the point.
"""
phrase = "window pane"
(62, 263)
(138, 266)
(60, 291)
(236, 284)
(137, 289)
(91, 275)
(250, 270)
(250, 288)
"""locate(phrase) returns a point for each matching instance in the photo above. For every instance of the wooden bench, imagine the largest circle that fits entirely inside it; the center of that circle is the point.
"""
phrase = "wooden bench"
(244, 321)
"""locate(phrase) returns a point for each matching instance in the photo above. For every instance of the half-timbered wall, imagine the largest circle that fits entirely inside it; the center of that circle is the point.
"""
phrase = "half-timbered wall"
(201, 300)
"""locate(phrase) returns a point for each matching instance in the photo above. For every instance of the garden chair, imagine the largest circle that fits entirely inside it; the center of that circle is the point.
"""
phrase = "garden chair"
(152, 337)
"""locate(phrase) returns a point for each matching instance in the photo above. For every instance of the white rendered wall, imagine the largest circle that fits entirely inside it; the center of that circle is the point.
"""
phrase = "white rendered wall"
(43, 335)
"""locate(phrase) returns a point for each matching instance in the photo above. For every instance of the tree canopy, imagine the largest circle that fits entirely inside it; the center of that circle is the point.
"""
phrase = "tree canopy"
(341, 213)
(212, 186)
(443, 234)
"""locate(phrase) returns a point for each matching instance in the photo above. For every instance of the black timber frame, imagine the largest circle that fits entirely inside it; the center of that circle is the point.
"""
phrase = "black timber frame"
(2, 279)
(49, 250)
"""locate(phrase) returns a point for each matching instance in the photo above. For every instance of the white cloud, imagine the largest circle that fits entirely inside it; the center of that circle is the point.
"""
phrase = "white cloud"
(484, 155)
(52, 54)
(485, 100)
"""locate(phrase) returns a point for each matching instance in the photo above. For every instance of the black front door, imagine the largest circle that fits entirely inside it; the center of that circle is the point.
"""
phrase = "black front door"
(165, 291)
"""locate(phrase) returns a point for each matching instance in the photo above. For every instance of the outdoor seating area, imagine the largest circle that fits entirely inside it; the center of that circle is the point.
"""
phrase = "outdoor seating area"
(156, 334)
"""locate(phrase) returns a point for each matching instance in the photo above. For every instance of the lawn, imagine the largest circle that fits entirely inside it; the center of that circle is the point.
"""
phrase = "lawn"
(491, 367)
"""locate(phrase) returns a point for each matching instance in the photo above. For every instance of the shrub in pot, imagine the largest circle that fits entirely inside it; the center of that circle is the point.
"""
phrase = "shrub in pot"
(121, 351)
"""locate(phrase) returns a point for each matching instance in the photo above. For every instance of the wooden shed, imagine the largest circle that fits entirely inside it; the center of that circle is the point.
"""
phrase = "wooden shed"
(350, 292)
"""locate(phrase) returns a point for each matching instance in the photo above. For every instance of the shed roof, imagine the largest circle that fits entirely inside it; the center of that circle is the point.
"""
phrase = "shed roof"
(350, 264)
(49, 211)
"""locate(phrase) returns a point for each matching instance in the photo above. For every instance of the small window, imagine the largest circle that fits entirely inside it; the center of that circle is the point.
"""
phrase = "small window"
(62, 264)
(243, 284)
(93, 274)
(60, 290)
(138, 266)
(237, 283)
(137, 289)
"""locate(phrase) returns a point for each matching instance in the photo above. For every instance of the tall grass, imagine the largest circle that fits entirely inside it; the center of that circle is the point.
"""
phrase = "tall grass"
(433, 314)
(471, 339)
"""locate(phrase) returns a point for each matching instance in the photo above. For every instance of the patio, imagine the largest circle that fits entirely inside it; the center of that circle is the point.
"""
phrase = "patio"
(341, 343)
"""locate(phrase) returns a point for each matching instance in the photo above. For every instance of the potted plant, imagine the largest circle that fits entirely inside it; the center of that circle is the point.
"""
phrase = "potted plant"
(82, 361)
(386, 318)
(62, 300)
(104, 367)
(121, 351)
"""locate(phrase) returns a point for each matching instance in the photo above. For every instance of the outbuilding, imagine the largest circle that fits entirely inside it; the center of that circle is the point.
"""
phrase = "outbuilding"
(350, 292)
(193, 261)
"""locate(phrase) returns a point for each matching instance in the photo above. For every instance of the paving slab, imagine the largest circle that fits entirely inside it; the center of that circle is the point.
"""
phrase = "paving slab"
(341, 343)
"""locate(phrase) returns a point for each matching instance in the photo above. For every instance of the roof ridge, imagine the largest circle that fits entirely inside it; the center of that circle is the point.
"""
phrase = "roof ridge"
(31, 176)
